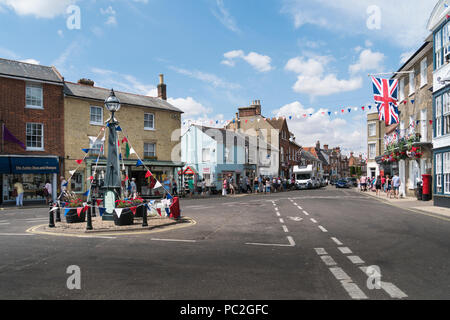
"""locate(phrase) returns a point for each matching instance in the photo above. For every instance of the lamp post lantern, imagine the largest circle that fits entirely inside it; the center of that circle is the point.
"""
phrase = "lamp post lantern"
(112, 184)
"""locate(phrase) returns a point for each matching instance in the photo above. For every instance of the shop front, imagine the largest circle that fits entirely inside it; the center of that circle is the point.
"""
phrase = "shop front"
(32, 172)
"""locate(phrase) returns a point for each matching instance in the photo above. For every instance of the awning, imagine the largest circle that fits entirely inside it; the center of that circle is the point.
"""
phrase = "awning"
(21, 165)
(5, 166)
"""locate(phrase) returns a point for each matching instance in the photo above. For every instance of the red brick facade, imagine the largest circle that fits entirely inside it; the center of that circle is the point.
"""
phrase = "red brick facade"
(15, 116)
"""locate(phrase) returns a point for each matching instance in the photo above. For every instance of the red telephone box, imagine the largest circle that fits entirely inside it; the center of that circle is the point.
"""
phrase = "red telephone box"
(427, 188)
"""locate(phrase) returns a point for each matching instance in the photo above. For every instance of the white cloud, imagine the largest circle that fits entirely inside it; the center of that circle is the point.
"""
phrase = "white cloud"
(368, 60)
(405, 56)
(38, 8)
(349, 17)
(111, 13)
(259, 62)
(190, 107)
(212, 79)
(32, 61)
(334, 131)
(312, 80)
(225, 17)
(60, 33)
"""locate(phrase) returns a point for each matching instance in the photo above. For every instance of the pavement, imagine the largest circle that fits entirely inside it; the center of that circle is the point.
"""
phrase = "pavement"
(325, 244)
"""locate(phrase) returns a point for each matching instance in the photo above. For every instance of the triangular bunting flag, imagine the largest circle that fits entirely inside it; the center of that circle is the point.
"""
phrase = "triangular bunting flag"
(102, 211)
(132, 151)
(169, 196)
(98, 201)
(86, 193)
(148, 174)
(71, 172)
(118, 128)
(159, 211)
(85, 150)
(118, 211)
(79, 161)
(157, 185)
(79, 211)
(139, 163)
(133, 209)
(124, 140)
(65, 211)
(167, 212)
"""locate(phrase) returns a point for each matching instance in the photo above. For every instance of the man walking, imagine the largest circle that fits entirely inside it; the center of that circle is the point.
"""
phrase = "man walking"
(396, 185)
(19, 191)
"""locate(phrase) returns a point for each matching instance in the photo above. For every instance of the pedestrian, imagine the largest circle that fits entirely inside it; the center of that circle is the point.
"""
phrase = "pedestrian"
(174, 186)
(231, 185)
(388, 186)
(203, 185)
(191, 186)
(224, 186)
(396, 182)
(247, 184)
(363, 183)
(383, 183)
(256, 184)
(48, 191)
(133, 188)
(268, 186)
(18, 190)
(378, 185)
(63, 187)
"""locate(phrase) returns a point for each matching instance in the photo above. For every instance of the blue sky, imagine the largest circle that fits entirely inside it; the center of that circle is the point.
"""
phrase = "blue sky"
(296, 56)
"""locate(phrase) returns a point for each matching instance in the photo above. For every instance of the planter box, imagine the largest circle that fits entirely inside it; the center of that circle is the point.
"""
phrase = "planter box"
(72, 216)
(126, 218)
(140, 211)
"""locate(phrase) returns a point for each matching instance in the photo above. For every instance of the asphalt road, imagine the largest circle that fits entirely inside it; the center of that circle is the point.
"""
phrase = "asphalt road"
(312, 244)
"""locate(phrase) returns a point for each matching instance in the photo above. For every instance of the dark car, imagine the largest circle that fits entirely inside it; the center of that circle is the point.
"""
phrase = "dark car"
(342, 183)
(352, 181)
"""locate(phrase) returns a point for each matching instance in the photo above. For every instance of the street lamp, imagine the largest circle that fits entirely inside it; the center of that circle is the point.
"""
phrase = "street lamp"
(112, 178)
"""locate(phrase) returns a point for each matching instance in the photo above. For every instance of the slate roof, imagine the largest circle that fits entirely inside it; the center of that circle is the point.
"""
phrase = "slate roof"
(100, 94)
(305, 154)
(276, 123)
(29, 71)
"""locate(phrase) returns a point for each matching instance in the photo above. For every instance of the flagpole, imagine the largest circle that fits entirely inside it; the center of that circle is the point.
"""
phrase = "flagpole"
(385, 73)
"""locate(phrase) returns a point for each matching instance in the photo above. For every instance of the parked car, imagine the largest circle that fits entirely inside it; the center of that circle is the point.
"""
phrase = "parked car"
(353, 181)
(342, 183)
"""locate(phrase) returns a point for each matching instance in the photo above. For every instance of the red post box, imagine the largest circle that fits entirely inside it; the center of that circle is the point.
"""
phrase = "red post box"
(427, 189)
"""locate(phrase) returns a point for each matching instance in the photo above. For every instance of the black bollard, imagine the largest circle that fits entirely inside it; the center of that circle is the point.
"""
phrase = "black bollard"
(94, 201)
(58, 214)
(144, 214)
(51, 222)
(89, 219)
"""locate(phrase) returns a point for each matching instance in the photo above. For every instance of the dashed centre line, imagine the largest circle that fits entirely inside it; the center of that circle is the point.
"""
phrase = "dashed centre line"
(328, 260)
(355, 259)
(306, 213)
(285, 228)
(323, 229)
(320, 251)
(345, 250)
(281, 220)
(313, 220)
(336, 241)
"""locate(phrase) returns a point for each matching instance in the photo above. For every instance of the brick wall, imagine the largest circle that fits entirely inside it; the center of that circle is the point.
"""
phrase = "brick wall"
(15, 116)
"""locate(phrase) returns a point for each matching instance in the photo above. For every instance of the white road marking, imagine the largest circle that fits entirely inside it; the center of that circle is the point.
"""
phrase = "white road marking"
(174, 240)
(355, 259)
(345, 250)
(328, 260)
(352, 288)
(295, 203)
(281, 220)
(320, 251)
(323, 229)
(300, 207)
(392, 290)
(276, 209)
(285, 228)
(4, 223)
(337, 241)
(306, 213)
(278, 214)
(313, 220)
(296, 218)
(291, 241)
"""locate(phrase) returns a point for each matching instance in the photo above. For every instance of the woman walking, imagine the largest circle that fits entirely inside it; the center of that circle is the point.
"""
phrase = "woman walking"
(378, 185)
(388, 186)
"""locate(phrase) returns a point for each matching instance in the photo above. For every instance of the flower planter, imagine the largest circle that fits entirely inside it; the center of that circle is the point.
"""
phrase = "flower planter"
(72, 216)
(140, 210)
(125, 219)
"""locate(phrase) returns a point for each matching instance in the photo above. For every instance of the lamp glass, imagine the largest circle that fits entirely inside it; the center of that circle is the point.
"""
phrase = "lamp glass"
(112, 103)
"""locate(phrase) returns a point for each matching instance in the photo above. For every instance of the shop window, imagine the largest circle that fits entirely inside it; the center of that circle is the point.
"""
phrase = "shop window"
(35, 136)
(96, 115)
(76, 183)
(33, 185)
(34, 96)
(438, 173)
(446, 172)
(438, 122)
(95, 146)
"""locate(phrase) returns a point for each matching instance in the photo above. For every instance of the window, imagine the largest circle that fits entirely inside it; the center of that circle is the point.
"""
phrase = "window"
(149, 121)
(438, 125)
(149, 150)
(438, 49)
(77, 183)
(423, 125)
(446, 112)
(372, 151)
(35, 136)
(372, 129)
(412, 86)
(95, 146)
(402, 89)
(206, 155)
(96, 115)
(446, 172)
(412, 125)
(34, 96)
(423, 72)
(438, 173)
(402, 128)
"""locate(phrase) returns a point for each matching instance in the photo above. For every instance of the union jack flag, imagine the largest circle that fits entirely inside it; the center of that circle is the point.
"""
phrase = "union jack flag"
(386, 96)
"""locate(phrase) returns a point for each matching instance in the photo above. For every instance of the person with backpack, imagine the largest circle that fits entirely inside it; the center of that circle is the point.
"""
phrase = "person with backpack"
(378, 185)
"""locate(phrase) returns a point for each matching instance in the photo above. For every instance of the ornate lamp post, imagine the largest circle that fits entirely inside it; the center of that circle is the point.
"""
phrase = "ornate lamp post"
(112, 178)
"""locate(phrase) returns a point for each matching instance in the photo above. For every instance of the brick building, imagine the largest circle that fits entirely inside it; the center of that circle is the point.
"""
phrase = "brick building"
(32, 119)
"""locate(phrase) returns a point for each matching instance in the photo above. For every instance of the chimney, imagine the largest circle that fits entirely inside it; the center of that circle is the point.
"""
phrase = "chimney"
(318, 145)
(86, 82)
(162, 88)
